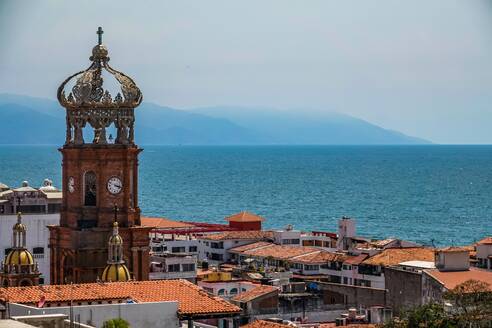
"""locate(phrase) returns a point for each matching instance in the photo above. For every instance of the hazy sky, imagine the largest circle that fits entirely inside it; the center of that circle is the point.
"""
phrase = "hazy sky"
(422, 67)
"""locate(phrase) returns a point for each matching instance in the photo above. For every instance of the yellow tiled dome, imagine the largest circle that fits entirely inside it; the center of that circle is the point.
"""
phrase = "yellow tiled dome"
(115, 240)
(115, 272)
(19, 257)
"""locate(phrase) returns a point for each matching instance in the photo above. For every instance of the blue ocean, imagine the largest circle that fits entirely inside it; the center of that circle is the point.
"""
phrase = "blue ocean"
(429, 194)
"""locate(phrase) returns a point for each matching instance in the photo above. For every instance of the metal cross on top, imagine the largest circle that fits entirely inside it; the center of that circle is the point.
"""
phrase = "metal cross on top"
(100, 33)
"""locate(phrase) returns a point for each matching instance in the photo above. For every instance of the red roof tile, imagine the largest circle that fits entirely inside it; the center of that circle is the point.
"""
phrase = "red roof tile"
(356, 260)
(455, 249)
(394, 256)
(485, 241)
(265, 324)
(251, 246)
(163, 223)
(350, 325)
(192, 299)
(245, 217)
(244, 235)
(256, 292)
(280, 252)
(320, 258)
(451, 279)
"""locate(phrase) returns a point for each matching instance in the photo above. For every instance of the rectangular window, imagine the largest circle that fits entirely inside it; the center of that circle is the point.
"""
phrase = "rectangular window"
(309, 267)
(217, 245)
(54, 208)
(188, 267)
(297, 266)
(38, 250)
(217, 257)
(178, 249)
(192, 249)
(173, 268)
(345, 280)
(291, 241)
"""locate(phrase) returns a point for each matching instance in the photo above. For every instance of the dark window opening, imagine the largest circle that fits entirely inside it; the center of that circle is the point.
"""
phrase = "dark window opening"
(173, 268)
(38, 250)
(178, 249)
(90, 189)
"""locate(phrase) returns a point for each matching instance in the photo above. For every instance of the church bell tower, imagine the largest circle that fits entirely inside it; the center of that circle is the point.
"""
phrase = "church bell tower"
(99, 173)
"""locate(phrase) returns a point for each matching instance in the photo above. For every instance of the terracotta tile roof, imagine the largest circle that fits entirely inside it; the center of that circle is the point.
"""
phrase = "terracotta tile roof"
(163, 223)
(245, 235)
(485, 241)
(265, 324)
(320, 258)
(393, 256)
(280, 252)
(454, 249)
(351, 325)
(248, 247)
(245, 217)
(356, 260)
(192, 299)
(382, 243)
(256, 292)
(451, 279)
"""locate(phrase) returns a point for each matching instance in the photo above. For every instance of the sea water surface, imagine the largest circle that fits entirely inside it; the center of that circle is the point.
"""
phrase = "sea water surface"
(428, 194)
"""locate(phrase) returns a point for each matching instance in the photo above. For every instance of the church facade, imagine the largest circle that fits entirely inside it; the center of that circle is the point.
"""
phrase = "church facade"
(100, 176)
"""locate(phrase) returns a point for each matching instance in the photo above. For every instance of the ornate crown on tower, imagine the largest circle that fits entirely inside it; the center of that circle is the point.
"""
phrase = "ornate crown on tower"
(90, 101)
(89, 89)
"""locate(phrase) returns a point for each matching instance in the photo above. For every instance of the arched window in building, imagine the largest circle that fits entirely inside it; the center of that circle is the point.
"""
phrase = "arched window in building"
(90, 191)
(221, 292)
(233, 291)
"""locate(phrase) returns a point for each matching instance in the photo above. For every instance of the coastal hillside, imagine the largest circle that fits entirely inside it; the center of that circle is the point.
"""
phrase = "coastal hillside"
(29, 120)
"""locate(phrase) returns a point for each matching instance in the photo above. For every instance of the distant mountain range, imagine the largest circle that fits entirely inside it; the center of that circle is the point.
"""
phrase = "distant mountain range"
(28, 120)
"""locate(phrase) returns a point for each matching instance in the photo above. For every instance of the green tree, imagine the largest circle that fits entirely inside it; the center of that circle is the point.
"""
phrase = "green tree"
(467, 305)
(472, 303)
(116, 323)
(426, 316)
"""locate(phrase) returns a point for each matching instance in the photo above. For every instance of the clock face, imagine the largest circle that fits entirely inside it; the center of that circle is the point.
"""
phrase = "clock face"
(71, 185)
(115, 185)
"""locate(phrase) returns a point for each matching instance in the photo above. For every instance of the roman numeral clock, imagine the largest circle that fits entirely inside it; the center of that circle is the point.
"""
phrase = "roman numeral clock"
(99, 173)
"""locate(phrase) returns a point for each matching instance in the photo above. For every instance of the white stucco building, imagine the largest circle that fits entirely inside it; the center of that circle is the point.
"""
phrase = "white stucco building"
(37, 238)
(40, 207)
(484, 253)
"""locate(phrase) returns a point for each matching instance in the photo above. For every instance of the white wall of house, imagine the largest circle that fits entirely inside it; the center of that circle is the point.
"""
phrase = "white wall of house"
(37, 236)
(453, 261)
(226, 289)
(319, 239)
(287, 237)
(173, 267)
(176, 246)
(484, 252)
(142, 315)
(216, 251)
